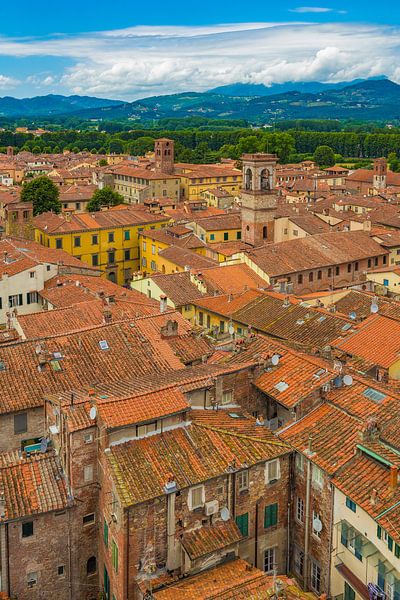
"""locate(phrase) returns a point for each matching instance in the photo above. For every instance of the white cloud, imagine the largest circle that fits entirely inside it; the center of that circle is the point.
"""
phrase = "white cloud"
(144, 61)
(7, 82)
(311, 9)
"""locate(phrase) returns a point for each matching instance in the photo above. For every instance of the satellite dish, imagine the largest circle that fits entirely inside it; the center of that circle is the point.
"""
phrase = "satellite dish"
(347, 380)
(374, 308)
(225, 514)
(275, 359)
(317, 525)
(353, 315)
(93, 413)
(231, 329)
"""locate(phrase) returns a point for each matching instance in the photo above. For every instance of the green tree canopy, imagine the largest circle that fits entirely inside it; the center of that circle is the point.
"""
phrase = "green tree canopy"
(394, 162)
(43, 194)
(324, 156)
(102, 198)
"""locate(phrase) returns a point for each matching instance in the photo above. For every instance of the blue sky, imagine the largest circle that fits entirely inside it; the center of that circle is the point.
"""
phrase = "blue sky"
(124, 49)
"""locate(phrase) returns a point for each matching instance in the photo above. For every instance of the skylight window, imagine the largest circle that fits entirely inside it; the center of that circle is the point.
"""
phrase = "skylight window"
(2, 365)
(57, 355)
(319, 373)
(346, 327)
(281, 386)
(321, 319)
(300, 322)
(374, 395)
(55, 365)
(104, 345)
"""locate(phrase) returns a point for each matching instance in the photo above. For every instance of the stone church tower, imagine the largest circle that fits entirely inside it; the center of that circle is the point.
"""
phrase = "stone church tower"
(164, 156)
(259, 200)
(380, 173)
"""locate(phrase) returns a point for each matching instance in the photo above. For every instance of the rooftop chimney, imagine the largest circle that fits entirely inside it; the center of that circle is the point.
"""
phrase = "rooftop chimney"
(394, 471)
(163, 303)
(374, 497)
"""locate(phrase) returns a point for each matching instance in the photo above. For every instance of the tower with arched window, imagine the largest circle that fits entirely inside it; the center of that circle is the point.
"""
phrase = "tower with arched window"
(164, 156)
(258, 196)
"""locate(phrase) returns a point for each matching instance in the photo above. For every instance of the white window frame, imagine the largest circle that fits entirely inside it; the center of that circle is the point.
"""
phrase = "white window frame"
(227, 394)
(300, 510)
(88, 438)
(192, 505)
(317, 476)
(243, 480)
(299, 561)
(270, 551)
(299, 461)
(314, 567)
(272, 464)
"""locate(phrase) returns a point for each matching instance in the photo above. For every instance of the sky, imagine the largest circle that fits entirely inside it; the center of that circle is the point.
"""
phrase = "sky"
(127, 50)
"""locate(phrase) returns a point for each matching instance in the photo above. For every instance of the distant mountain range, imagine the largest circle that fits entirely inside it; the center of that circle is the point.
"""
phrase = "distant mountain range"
(47, 106)
(259, 89)
(370, 100)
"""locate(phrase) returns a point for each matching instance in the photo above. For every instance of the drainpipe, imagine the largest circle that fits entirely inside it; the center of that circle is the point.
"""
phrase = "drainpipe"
(127, 555)
(256, 533)
(69, 556)
(307, 525)
(330, 539)
(172, 558)
(8, 560)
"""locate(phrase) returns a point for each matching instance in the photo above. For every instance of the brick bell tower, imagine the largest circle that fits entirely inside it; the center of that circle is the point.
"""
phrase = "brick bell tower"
(164, 156)
(380, 173)
(259, 200)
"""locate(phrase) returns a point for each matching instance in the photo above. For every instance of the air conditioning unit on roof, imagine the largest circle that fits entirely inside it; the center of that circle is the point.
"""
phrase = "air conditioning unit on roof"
(211, 508)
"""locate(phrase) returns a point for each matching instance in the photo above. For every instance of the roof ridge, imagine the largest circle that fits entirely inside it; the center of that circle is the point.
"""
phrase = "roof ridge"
(240, 435)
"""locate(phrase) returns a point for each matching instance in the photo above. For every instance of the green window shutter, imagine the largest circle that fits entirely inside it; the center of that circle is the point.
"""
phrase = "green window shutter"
(358, 547)
(349, 593)
(390, 543)
(114, 556)
(379, 532)
(397, 551)
(242, 521)
(105, 532)
(345, 534)
(270, 515)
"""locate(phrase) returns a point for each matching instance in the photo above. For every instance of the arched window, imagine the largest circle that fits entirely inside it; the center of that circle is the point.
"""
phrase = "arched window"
(248, 228)
(319, 275)
(112, 277)
(265, 232)
(311, 276)
(91, 565)
(248, 179)
(264, 180)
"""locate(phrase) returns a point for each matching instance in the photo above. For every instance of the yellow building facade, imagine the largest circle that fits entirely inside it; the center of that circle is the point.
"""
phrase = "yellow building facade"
(112, 247)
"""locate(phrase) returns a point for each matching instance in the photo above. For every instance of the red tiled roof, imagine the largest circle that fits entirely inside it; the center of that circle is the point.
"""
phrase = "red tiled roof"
(140, 468)
(204, 540)
(234, 580)
(376, 340)
(32, 486)
(333, 436)
(142, 408)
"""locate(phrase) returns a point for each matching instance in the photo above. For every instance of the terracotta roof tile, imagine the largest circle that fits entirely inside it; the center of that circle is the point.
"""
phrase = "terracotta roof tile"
(141, 468)
(333, 436)
(376, 340)
(142, 408)
(32, 486)
(205, 540)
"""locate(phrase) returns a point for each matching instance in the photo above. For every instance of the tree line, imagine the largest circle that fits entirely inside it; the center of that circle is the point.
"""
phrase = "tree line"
(194, 145)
